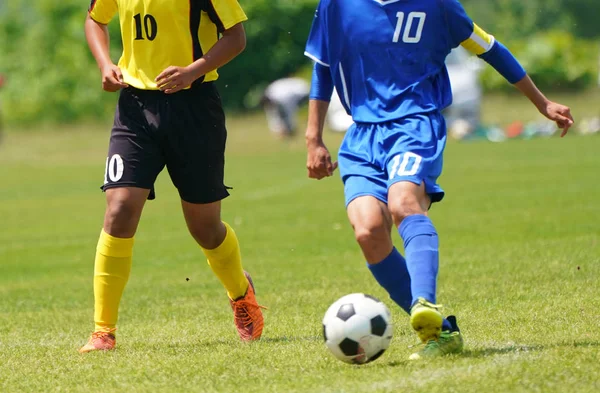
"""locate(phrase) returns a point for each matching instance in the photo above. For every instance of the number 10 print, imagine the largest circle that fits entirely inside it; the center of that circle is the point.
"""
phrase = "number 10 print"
(407, 38)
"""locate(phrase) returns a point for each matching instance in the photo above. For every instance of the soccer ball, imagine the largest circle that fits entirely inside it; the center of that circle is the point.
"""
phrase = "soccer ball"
(357, 328)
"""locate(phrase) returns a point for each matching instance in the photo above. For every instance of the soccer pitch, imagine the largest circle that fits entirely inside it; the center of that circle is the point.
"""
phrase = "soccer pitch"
(520, 265)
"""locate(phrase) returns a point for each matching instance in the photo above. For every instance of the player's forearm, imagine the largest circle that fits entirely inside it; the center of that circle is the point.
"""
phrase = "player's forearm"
(504, 62)
(97, 38)
(530, 90)
(231, 44)
(317, 110)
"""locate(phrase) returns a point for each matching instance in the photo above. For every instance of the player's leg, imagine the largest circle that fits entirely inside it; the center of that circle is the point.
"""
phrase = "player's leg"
(195, 160)
(131, 168)
(413, 165)
(372, 223)
(365, 190)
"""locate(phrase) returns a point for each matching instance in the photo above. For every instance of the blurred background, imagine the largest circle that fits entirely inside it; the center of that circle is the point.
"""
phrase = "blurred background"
(51, 78)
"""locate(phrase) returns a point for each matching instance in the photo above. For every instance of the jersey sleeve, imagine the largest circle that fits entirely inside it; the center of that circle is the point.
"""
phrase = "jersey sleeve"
(464, 32)
(317, 43)
(102, 11)
(225, 13)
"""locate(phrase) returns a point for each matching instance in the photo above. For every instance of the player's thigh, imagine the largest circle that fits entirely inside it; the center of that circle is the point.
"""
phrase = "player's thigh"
(134, 152)
(406, 198)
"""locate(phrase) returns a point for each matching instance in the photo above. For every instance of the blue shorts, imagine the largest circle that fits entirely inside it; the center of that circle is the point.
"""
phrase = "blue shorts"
(373, 156)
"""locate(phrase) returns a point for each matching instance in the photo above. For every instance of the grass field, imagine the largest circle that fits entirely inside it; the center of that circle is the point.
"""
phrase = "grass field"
(520, 267)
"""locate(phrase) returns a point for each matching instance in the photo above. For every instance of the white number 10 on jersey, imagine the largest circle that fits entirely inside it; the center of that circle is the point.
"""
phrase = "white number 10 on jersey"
(409, 37)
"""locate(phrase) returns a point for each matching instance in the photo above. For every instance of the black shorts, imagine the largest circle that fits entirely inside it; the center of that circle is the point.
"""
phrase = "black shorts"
(184, 131)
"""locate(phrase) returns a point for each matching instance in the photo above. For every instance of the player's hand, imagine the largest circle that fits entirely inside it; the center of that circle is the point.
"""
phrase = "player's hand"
(174, 79)
(112, 78)
(319, 162)
(560, 114)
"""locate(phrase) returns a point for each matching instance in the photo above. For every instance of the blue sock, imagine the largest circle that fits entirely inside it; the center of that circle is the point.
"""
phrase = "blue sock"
(422, 257)
(392, 275)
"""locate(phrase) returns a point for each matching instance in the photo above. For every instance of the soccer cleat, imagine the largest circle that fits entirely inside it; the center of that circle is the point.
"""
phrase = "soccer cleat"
(426, 320)
(247, 315)
(450, 341)
(100, 341)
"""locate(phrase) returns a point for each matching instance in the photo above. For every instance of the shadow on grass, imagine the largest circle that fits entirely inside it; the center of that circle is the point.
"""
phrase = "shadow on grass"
(510, 349)
(486, 352)
(231, 342)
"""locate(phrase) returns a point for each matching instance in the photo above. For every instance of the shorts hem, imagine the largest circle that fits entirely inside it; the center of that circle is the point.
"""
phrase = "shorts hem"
(205, 200)
(125, 184)
(436, 194)
(362, 194)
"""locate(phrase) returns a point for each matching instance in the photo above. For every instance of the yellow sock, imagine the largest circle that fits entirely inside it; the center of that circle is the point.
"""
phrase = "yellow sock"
(226, 262)
(111, 272)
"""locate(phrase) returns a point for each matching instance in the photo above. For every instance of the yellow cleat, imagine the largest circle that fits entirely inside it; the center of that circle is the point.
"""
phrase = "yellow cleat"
(426, 320)
(450, 341)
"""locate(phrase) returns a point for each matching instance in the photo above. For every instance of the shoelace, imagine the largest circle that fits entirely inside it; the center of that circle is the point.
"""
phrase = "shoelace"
(102, 335)
(240, 310)
(433, 343)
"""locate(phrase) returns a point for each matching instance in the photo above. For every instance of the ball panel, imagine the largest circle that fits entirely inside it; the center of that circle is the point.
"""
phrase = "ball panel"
(357, 327)
(335, 350)
(376, 356)
(349, 347)
(378, 326)
(335, 330)
(345, 311)
(370, 308)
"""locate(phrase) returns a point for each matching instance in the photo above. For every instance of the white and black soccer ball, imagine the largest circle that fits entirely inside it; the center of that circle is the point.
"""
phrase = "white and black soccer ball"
(357, 328)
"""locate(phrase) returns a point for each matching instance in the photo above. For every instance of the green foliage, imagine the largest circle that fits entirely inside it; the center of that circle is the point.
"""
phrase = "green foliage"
(51, 75)
(276, 34)
(512, 19)
(555, 60)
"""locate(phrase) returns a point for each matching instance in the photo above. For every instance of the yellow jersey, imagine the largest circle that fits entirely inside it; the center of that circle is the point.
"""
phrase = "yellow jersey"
(157, 34)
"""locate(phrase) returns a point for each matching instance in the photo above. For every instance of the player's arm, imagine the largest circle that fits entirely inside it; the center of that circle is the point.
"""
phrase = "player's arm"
(499, 56)
(96, 33)
(319, 162)
(228, 16)
(465, 32)
(231, 44)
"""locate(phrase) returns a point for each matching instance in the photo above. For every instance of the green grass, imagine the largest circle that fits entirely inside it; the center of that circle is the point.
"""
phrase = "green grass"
(520, 266)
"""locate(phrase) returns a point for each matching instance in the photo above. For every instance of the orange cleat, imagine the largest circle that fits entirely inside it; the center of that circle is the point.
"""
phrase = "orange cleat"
(247, 315)
(100, 341)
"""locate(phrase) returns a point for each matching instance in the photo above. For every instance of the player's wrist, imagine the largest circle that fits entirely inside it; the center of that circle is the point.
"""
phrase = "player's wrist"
(313, 140)
(195, 69)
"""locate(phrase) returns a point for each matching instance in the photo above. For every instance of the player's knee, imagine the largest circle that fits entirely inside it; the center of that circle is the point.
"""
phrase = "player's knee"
(371, 236)
(207, 235)
(121, 218)
(405, 205)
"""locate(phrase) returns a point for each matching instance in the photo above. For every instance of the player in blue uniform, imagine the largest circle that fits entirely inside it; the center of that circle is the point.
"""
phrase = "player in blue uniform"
(386, 60)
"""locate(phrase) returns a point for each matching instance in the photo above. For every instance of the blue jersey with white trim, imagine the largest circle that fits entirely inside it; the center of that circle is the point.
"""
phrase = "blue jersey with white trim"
(386, 57)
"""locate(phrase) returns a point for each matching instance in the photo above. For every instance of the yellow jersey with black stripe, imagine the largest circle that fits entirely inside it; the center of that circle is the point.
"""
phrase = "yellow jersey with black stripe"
(157, 34)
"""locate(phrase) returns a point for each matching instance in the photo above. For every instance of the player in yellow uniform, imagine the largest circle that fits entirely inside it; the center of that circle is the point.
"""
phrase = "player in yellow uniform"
(169, 114)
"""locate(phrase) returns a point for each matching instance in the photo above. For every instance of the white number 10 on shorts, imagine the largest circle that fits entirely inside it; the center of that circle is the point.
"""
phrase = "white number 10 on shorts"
(406, 164)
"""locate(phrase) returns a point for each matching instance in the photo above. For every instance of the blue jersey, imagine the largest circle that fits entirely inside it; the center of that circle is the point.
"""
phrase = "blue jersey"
(386, 57)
